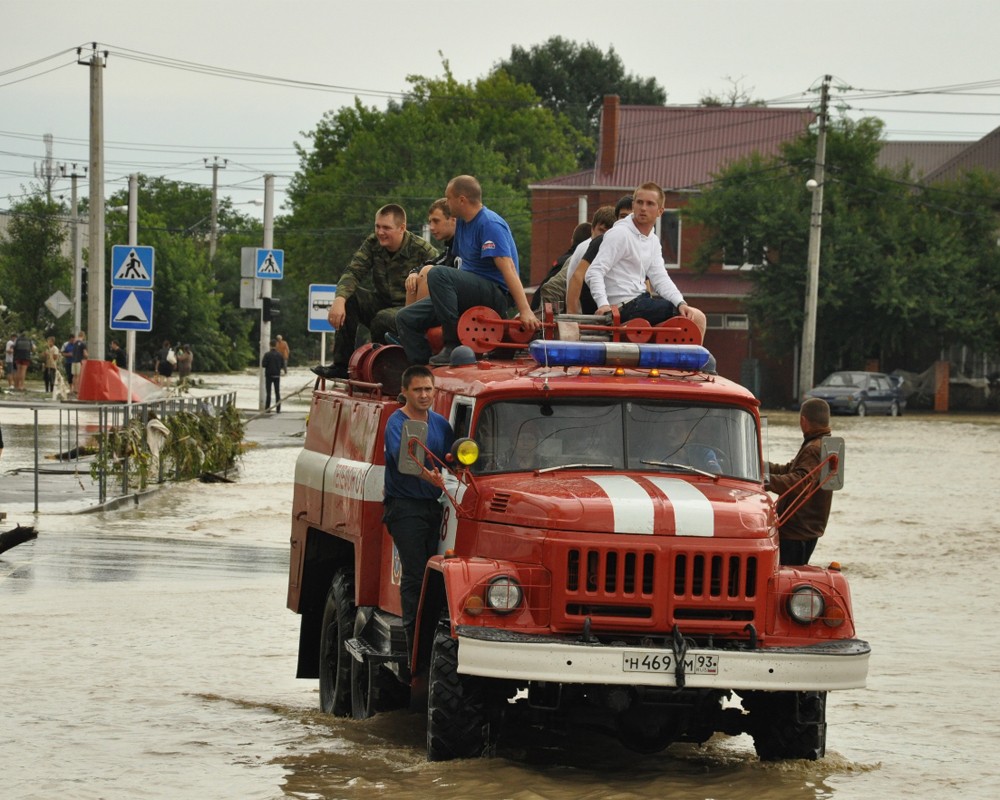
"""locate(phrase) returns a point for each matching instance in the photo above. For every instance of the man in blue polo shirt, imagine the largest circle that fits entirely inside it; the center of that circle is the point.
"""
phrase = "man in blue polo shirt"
(487, 275)
(412, 511)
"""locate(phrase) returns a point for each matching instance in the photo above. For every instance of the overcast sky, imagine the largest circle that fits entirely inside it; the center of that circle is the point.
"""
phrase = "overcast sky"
(162, 120)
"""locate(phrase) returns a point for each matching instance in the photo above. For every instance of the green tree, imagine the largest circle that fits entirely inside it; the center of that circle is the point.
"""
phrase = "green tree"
(362, 158)
(572, 79)
(32, 265)
(902, 272)
(194, 303)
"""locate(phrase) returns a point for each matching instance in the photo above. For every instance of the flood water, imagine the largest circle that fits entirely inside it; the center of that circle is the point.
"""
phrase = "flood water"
(147, 652)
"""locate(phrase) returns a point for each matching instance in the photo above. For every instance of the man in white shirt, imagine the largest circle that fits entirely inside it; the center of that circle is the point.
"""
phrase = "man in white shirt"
(629, 255)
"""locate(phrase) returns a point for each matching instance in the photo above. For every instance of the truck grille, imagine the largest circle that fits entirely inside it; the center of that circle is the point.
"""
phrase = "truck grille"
(658, 587)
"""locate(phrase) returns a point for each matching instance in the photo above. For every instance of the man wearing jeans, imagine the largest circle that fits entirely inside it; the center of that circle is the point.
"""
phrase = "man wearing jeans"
(487, 276)
(412, 508)
(629, 255)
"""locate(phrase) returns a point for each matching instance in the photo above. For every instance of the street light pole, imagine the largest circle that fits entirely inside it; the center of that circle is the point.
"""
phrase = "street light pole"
(808, 360)
(75, 245)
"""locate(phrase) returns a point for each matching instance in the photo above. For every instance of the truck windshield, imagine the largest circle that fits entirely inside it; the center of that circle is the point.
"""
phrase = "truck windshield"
(631, 435)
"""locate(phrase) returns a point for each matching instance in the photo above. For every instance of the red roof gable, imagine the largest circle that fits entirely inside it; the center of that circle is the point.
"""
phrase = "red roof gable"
(680, 147)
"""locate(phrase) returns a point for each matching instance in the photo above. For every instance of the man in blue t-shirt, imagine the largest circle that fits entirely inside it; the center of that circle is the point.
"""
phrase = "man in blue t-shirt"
(412, 508)
(487, 275)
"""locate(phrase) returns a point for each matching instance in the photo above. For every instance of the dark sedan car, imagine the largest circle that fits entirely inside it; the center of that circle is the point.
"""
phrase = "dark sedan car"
(861, 393)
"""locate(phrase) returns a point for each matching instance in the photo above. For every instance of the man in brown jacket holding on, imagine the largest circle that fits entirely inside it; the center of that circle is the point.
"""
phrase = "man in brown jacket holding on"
(798, 535)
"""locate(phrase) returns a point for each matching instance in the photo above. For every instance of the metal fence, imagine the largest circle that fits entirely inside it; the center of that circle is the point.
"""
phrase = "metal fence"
(78, 423)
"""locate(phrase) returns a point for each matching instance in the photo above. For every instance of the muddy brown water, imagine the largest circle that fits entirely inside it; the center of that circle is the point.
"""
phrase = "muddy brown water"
(147, 652)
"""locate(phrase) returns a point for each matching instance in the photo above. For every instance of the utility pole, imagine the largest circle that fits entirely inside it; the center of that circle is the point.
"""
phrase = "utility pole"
(213, 238)
(265, 288)
(808, 360)
(75, 243)
(46, 171)
(95, 264)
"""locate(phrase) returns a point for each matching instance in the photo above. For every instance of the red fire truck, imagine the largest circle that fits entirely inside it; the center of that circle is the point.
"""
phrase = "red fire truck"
(608, 553)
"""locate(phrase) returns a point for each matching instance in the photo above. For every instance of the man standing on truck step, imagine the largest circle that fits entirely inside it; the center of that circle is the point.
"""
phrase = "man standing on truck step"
(487, 276)
(631, 254)
(373, 287)
(798, 536)
(412, 503)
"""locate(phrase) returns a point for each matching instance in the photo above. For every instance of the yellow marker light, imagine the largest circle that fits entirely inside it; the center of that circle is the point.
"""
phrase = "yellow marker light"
(584, 370)
(474, 605)
(466, 451)
(654, 373)
(619, 371)
(834, 616)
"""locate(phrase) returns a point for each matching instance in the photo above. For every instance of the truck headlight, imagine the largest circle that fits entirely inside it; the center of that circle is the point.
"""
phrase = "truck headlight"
(504, 594)
(806, 604)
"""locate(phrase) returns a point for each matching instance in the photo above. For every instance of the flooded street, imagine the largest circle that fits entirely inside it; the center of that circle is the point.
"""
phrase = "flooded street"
(147, 652)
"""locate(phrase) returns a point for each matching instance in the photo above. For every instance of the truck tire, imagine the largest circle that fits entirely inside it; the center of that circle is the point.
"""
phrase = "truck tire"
(334, 660)
(787, 725)
(459, 723)
(374, 689)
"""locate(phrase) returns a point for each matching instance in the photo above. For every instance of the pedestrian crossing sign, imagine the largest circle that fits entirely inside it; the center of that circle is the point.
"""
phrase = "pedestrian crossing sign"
(131, 309)
(270, 264)
(132, 266)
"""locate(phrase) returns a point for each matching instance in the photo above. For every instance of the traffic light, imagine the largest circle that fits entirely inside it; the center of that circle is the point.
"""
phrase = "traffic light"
(271, 310)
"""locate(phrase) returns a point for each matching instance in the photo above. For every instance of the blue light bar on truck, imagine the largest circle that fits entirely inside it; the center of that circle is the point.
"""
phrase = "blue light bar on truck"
(686, 357)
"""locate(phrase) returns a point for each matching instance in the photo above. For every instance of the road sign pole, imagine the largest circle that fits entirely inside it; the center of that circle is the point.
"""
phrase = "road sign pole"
(133, 240)
(322, 349)
(265, 326)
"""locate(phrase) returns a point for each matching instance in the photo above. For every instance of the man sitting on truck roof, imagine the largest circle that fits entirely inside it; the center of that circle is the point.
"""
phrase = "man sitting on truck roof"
(382, 263)
(487, 276)
(629, 255)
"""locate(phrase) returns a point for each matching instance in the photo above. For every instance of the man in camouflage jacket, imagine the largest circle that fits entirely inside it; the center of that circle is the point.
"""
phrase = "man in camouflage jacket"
(373, 287)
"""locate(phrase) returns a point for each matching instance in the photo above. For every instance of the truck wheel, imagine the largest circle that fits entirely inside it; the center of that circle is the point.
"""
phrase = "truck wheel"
(374, 689)
(334, 660)
(459, 723)
(787, 725)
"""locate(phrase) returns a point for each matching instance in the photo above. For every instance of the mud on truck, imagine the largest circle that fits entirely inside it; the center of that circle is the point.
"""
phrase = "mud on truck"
(608, 553)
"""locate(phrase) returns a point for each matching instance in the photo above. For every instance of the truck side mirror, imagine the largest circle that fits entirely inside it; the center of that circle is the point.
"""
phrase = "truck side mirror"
(411, 454)
(832, 445)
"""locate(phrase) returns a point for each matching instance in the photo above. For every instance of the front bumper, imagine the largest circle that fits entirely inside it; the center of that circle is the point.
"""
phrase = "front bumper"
(490, 653)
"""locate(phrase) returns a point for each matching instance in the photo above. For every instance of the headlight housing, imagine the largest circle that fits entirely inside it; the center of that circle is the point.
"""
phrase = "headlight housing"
(504, 594)
(806, 604)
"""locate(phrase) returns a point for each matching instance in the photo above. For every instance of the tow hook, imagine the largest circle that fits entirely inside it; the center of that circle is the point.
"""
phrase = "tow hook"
(680, 650)
(586, 637)
(749, 628)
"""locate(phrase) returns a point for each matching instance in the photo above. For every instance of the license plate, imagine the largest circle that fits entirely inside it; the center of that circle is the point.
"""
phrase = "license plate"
(646, 661)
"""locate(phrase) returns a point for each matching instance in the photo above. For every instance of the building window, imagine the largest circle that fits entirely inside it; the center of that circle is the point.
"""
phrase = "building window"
(727, 322)
(740, 256)
(670, 237)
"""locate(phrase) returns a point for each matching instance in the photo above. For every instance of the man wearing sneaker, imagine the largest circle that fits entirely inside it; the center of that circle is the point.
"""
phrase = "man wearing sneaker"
(383, 263)
(487, 275)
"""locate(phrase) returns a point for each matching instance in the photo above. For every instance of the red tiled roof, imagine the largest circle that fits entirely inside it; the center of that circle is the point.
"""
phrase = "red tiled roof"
(681, 147)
